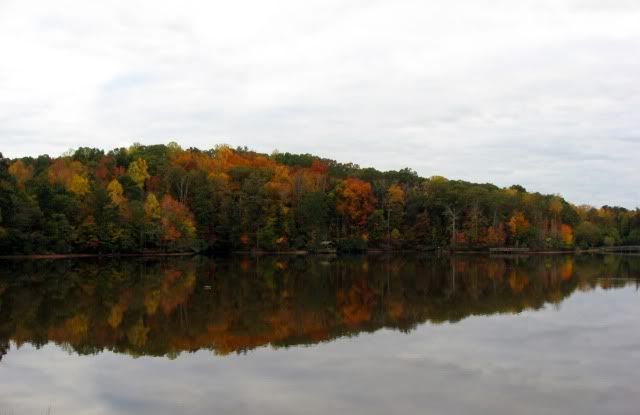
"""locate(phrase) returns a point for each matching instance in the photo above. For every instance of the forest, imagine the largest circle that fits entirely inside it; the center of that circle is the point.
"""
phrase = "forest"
(163, 198)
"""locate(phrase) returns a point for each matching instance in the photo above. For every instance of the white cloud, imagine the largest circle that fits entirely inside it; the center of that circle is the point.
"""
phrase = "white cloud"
(543, 93)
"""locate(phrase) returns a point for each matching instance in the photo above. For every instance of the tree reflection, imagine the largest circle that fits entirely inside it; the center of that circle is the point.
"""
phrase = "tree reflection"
(169, 306)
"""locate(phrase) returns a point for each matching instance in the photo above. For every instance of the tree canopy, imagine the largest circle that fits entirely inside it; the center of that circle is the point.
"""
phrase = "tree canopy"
(165, 198)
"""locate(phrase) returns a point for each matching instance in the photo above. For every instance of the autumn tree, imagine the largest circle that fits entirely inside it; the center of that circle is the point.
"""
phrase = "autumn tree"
(70, 174)
(21, 172)
(79, 185)
(495, 236)
(355, 200)
(116, 193)
(152, 215)
(519, 227)
(567, 235)
(177, 223)
(138, 171)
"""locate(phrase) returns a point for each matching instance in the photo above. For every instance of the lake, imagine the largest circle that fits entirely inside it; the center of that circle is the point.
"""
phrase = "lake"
(401, 334)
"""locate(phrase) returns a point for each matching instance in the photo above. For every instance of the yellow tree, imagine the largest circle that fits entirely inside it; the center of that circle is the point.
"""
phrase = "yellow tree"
(116, 193)
(395, 195)
(152, 208)
(78, 185)
(555, 207)
(519, 226)
(152, 215)
(138, 171)
(21, 172)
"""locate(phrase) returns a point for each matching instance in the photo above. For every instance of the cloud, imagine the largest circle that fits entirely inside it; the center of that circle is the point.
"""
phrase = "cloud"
(542, 93)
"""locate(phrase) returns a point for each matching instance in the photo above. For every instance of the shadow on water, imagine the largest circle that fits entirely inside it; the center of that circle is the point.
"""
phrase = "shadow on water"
(163, 307)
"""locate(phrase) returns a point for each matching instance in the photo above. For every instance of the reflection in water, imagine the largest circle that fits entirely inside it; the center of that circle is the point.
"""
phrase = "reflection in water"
(165, 307)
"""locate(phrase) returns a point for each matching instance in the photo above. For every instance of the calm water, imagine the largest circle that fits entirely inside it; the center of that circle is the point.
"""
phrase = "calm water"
(278, 335)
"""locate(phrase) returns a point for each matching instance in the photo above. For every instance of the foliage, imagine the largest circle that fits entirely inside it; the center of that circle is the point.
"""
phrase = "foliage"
(355, 200)
(588, 235)
(165, 198)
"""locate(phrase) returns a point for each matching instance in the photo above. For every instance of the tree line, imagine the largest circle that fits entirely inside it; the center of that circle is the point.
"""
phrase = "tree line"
(164, 198)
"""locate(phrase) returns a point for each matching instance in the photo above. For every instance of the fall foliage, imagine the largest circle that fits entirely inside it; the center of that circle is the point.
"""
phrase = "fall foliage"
(355, 200)
(21, 172)
(166, 198)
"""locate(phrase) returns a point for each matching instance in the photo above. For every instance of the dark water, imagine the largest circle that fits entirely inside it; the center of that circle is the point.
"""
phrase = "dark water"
(312, 335)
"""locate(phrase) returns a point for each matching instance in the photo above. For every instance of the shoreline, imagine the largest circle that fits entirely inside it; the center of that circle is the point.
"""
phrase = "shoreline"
(311, 253)
(119, 255)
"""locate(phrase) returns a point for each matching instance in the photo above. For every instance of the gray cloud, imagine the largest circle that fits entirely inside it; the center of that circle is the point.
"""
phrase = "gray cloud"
(542, 93)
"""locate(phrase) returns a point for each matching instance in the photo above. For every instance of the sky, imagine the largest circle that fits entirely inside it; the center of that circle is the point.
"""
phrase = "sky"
(542, 93)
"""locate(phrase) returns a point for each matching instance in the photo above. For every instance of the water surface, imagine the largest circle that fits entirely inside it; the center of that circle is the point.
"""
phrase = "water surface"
(289, 335)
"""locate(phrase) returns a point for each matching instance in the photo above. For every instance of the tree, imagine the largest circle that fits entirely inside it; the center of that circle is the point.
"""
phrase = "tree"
(495, 236)
(567, 235)
(452, 212)
(21, 172)
(519, 227)
(79, 185)
(152, 215)
(177, 223)
(474, 222)
(138, 171)
(116, 193)
(588, 235)
(209, 206)
(312, 216)
(377, 226)
(395, 198)
(421, 229)
(87, 155)
(355, 200)
(70, 174)
(152, 208)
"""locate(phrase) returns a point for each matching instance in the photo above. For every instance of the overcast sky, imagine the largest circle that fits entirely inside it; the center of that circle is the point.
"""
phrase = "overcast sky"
(542, 93)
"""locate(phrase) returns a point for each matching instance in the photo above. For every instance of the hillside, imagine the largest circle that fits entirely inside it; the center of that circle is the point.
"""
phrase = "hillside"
(165, 199)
